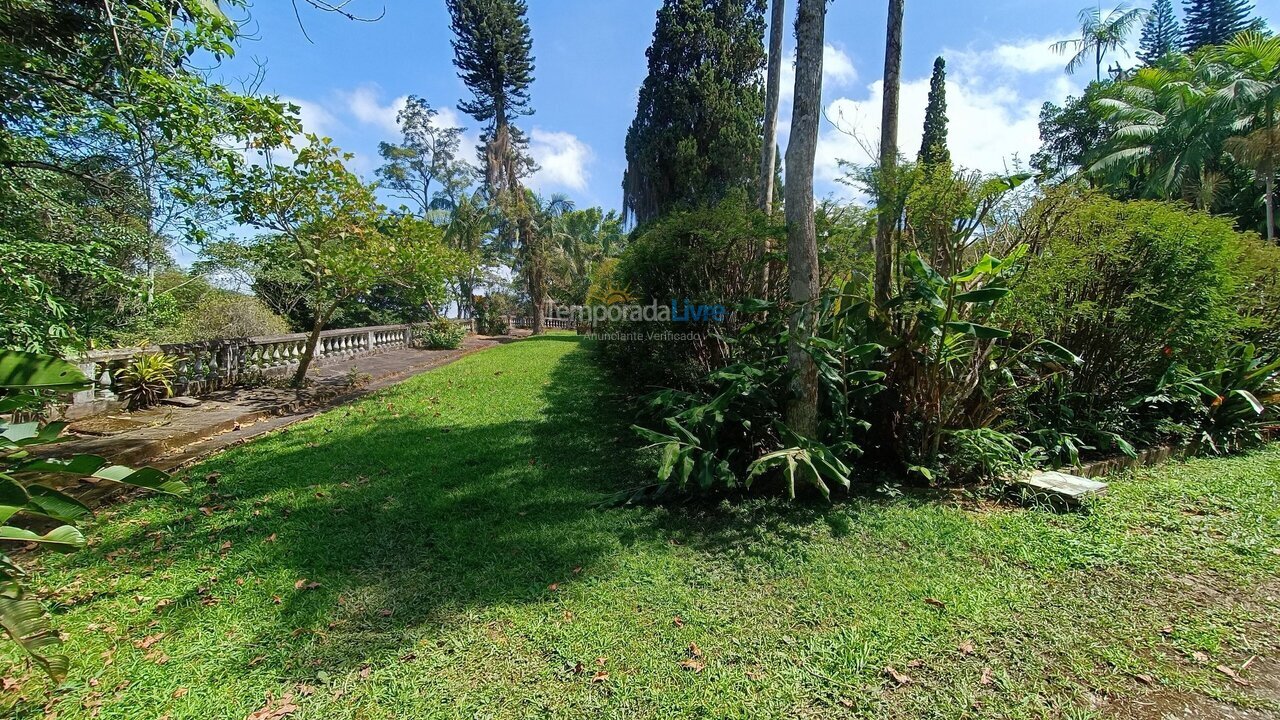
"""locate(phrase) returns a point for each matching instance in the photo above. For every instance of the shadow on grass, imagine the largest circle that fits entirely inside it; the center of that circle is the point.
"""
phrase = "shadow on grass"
(407, 524)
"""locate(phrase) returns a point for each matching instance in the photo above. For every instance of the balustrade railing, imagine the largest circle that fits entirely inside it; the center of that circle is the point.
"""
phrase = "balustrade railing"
(202, 367)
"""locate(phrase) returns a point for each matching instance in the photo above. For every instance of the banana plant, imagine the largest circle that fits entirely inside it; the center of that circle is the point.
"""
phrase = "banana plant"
(952, 365)
(29, 491)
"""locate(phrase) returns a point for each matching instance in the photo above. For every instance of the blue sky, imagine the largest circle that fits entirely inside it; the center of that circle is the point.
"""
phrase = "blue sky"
(590, 63)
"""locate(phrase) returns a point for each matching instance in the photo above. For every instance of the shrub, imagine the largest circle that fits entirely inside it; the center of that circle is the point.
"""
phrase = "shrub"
(223, 314)
(1130, 287)
(27, 490)
(146, 380)
(492, 313)
(710, 255)
(440, 334)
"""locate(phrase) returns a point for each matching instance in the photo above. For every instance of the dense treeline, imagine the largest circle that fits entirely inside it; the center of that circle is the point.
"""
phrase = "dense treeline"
(1121, 298)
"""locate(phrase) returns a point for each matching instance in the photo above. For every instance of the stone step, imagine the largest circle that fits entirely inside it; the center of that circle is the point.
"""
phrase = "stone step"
(1070, 489)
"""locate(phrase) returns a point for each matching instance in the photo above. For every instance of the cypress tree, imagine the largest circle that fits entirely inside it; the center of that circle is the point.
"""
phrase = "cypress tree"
(933, 146)
(699, 121)
(1215, 22)
(1161, 34)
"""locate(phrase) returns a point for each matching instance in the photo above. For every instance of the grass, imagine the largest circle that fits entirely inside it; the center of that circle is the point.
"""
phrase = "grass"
(463, 570)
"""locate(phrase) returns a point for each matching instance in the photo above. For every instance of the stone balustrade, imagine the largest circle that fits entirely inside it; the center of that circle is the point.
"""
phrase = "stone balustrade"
(203, 367)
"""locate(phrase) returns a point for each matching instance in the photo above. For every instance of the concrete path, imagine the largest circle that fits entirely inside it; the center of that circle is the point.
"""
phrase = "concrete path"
(169, 437)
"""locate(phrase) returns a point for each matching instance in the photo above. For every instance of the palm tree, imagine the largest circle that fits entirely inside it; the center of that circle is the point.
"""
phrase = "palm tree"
(543, 230)
(472, 222)
(1251, 64)
(1100, 35)
(1170, 129)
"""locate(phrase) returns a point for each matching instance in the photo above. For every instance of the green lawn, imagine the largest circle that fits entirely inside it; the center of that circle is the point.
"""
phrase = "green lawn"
(463, 570)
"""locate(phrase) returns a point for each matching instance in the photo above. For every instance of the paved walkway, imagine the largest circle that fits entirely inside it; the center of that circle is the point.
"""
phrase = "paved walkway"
(169, 437)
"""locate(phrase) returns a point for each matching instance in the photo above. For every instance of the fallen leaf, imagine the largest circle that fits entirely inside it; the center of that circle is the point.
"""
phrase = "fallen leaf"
(693, 664)
(364, 671)
(8, 684)
(302, 584)
(1231, 674)
(677, 621)
(966, 648)
(601, 661)
(206, 511)
(384, 613)
(577, 668)
(148, 641)
(845, 702)
(180, 692)
(1145, 679)
(275, 599)
(225, 546)
(694, 650)
(1166, 630)
(577, 570)
(600, 677)
(897, 677)
(986, 676)
(271, 538)
(754, 674)
(1200, 657)
(553, 587)
(305, 690)
(274, 709)
(212, 478)
(915, 664)
(257, 660)
(934, 602)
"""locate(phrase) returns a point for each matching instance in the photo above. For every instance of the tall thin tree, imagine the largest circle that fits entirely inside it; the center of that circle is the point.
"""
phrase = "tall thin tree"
(1099, 35)
(1215, 22)
(1161, 33)
(802, 236)
(773, 91)
(933, 143)
(887, 215)
(493, 53)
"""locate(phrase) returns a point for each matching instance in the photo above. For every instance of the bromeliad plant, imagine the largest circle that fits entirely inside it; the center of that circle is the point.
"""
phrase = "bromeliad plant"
(1230, 405)
(30, 498)
(146, 380)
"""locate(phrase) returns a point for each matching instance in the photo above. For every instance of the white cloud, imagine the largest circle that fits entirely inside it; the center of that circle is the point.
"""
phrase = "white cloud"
(1030, 56)
(315, 118)
(562, 159)
(364, 103)
(837, 72)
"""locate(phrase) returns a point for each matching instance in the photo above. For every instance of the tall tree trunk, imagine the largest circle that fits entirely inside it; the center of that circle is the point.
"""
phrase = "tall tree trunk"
(802, 236)
(1271, 205)
(887, 218)
(768, 150)
(533, 269)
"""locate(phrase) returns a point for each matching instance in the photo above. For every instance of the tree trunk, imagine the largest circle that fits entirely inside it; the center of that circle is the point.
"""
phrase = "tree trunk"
(534, 270)
(888, 202)
(308, 353)
(1271, 206)
(802, 237)
(768, 150)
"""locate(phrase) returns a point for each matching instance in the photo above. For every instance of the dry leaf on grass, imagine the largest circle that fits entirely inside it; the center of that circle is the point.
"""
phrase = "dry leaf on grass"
(600, 677)
(1231, 673)
(180, 692)
(274, 709)
(148, 641)
(986, 676)
(302, 584)
(693, 664)
(897, 677)
(934, 602)
(966, 648)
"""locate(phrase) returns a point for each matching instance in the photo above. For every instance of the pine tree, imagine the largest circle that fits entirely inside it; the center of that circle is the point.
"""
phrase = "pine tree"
(492, 50)
(1161, 34)
(933, 145)
(699, 122)
(1215, 22)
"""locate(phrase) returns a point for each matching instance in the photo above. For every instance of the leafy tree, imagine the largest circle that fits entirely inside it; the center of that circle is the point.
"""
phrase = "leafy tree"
(1161, 33)
(341, 241)
(1252, 62)
(113, 144)
(697, 130)
(492, 51)
(424, 167)
(1069, 134)
(1099, 35)
(1215, 22)
(933, 145)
